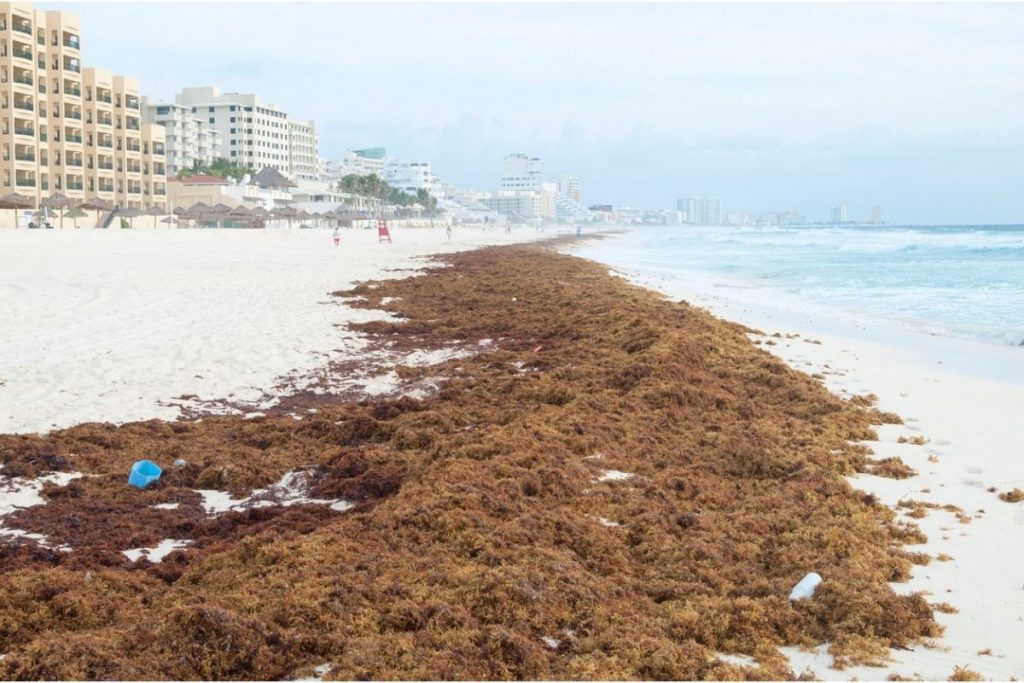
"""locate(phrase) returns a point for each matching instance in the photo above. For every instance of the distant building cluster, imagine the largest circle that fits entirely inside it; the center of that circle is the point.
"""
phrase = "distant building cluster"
(203, 121)
(698, 211)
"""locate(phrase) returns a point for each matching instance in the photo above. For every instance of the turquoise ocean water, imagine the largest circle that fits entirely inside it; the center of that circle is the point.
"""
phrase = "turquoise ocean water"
(955, 280)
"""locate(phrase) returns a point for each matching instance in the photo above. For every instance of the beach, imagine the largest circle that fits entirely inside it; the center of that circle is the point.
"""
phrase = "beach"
(108, 325)
(516, 466)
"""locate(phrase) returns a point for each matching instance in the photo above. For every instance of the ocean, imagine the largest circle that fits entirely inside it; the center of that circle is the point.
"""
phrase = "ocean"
(963, 281)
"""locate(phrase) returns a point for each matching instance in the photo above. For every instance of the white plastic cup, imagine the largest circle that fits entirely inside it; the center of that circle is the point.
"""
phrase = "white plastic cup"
(806, 587)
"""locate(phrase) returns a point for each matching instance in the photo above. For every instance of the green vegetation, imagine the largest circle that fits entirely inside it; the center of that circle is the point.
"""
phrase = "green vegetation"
(221, 168)
(374, 186)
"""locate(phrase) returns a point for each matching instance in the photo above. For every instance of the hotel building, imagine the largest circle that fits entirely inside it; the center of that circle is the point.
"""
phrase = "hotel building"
(254, 133)
(521, 173)
(189, 138)
(66, 129)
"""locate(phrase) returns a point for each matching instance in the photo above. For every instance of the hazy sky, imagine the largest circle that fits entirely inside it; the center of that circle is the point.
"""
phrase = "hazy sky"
(916, 107)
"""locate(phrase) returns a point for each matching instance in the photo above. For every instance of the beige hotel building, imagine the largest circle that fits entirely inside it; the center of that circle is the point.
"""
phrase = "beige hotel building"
(67, 129)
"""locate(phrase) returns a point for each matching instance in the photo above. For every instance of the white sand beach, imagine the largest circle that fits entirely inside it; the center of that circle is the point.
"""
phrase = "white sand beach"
(113, 325)
(965, 399)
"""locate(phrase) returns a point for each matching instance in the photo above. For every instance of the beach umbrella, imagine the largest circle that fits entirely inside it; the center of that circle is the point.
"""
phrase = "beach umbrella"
(180, 211)
(129, 212)
(240, 212)
(57, 201)
(169, 220)
(285, 212)
(76, 213)
(155, 210)
(16, 201)
(220, 208)
(98, 205)
(197, 212)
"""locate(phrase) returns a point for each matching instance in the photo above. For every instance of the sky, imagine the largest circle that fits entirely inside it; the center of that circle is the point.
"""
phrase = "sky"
(768, 106)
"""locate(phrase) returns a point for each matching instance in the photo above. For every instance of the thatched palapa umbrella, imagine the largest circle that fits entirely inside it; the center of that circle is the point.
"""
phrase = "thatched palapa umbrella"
(16, 201)
(129, 212)
(76, 213)
(197, 212)
(154, 211)
(260, 215)
(98, 205)
(57, 201)
(287, 213)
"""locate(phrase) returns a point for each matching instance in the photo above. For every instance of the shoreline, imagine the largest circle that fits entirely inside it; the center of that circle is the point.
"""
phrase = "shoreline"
(963, 396)
(628, 459)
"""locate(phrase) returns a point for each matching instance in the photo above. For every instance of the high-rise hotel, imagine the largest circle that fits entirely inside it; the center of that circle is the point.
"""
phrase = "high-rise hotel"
(67, 129)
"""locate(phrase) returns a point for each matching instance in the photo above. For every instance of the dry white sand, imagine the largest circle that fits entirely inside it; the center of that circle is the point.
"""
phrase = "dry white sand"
(111, 325)
(967, 399)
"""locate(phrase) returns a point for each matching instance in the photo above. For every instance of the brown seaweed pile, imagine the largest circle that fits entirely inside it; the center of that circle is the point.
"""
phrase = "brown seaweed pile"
(617, 487)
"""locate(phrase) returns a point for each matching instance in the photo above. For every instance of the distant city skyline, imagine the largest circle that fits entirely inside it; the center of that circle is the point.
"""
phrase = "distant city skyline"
(914, 107)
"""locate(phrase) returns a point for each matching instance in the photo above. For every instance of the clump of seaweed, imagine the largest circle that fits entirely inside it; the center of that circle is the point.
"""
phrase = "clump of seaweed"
(963, 673)
(476, 541)
(1014, 496)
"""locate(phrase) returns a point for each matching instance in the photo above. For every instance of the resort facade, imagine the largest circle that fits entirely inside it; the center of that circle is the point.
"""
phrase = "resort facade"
(68, 129)
(254, 133)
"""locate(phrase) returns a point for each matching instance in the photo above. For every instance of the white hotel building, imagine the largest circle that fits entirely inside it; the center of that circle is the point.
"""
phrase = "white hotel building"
(189, 138)
(255, 133)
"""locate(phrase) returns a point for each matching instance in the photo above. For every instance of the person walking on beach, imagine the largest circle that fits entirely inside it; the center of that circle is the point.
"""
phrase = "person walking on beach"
(336, 235)
(579, 230)
(448, 230)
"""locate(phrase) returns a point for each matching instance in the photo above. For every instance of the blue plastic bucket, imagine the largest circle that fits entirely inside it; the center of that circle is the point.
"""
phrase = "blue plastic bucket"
(144, 473)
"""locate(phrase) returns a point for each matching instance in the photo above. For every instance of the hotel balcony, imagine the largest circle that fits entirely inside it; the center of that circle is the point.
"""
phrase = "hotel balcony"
(21, 25)
(105, 165)
(132, 145)
(24, 103)
(28, 154)
(131, 102)
(25, 179)
(23, 76)
(72, 41)
(131, 124)
(72, 64)
(134, 167)
(74, 183)
(105, 141)
(22, 52)
(159, 189)
(74, 160)
(23, 129)
(106, 187)
(104, 96)
(158, 149)
(134, 189)
(104, 119)
(73, 112)
(72, 88)
(159, 169)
